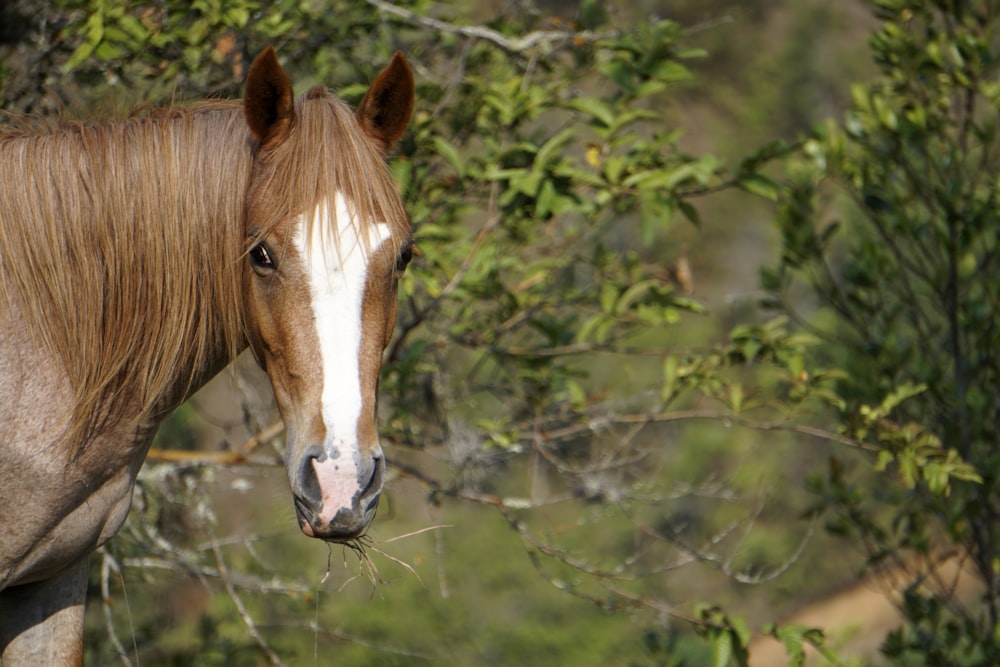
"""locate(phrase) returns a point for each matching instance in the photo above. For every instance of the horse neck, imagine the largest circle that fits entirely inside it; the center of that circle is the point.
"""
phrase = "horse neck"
(130, 250)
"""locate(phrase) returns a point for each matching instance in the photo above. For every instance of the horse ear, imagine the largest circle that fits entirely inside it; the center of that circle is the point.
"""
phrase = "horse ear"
(268, 102)
(386, 108)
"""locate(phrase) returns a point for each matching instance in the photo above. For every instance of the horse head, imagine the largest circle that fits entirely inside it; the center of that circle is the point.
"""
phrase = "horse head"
(328, 239)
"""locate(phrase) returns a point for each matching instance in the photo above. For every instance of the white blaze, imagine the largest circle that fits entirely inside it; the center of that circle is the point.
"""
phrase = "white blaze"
(337, 266)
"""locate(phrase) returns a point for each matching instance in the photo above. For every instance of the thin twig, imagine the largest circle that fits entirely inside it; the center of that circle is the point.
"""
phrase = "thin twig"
(546, 39)
(110, 564)
(605, 421)
(418, 532)
(242, 610)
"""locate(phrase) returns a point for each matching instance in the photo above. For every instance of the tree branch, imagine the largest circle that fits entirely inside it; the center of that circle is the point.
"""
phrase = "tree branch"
(547, 40)
(242, 610)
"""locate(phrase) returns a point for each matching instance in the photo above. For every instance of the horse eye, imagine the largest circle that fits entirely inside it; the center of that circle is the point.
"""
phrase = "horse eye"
(405, 255)
(261, 258)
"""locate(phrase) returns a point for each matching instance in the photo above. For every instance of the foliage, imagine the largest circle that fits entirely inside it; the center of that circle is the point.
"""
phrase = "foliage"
(906, 283)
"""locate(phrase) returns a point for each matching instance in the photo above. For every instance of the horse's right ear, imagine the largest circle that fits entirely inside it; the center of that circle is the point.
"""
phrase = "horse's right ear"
(268, 102)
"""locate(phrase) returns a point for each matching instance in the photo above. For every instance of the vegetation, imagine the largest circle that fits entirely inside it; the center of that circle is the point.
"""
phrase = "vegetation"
(905, 278)
(555, 379)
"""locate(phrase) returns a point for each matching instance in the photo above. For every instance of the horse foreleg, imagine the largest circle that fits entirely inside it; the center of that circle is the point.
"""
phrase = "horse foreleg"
(42, 623)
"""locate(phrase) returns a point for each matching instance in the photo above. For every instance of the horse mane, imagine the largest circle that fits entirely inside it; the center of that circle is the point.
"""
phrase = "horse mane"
(122, 243)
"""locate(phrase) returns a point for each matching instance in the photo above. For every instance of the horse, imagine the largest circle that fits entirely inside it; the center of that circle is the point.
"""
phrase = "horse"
(138, 257)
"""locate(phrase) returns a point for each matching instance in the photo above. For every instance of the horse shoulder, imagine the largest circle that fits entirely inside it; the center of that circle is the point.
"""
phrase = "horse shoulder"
(55, 507)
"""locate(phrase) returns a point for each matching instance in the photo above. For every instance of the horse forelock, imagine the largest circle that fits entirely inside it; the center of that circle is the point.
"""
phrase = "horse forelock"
(325, 157)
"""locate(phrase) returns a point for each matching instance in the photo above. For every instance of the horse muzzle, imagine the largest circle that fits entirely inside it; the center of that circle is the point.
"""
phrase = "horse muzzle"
(336, 493)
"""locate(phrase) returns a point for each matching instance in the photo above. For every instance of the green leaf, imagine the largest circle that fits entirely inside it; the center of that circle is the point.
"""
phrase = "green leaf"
(653, 215)
(134, 27)
(622, 120)
(690, 212)
(93, 34)
(595, 108)
(671, 71)
(759, 185)
(107, 51)
(545, 153)
(792, 638)
(238, 16)
(609, 297)
(736, 397)
(883, 460)
(898, 395)
(443, 148)
(614, 168)
(631, 296)
(527, 182)
(546, 201)
(722, 648)
(669, 377)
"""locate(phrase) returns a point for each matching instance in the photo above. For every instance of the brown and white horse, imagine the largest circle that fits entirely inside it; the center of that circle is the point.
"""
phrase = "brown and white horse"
(137, 258)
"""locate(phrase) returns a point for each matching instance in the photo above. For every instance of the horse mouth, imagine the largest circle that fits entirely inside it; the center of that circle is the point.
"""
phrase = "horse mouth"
(348, 523)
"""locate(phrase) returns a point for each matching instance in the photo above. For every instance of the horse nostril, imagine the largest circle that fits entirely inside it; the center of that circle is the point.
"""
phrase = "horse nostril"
(373, 488)
(300, 506)
(309, 487)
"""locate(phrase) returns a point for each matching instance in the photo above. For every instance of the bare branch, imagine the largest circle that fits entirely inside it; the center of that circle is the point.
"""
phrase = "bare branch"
(108, 565)
(546, 40)
(232, 457)
(242, 610)
(722, 416)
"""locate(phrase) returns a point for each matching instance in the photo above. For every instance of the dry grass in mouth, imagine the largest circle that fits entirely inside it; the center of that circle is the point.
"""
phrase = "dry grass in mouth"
(363, 546)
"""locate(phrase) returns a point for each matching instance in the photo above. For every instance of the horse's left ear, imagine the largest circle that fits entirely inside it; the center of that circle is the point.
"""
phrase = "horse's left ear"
(386, 108)
(268, 102)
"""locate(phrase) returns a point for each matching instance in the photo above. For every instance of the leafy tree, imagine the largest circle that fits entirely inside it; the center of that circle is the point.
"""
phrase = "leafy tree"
(891, 220)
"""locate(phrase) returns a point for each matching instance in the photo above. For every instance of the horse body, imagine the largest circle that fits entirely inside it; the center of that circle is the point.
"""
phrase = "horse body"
(137, 259)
